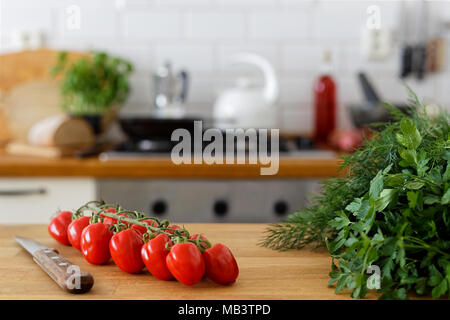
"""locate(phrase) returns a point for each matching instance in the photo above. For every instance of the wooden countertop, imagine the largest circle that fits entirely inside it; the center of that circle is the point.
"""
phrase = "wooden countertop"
(264, 273)
(162, 167)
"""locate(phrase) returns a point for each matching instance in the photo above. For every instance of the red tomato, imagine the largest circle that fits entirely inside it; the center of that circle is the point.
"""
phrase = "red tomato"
(125, 248)
(221, 267)
(185, 262)
(154, 255)
(95, 243)
(141, 229)
(202, 237)
(109, 220)
(75, 229)
(173, 227)
(58, 227)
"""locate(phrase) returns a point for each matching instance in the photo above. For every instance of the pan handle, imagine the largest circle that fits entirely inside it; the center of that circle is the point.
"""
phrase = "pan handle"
(368, 90)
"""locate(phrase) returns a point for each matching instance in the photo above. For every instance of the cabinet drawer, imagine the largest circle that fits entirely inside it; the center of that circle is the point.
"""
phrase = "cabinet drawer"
(36, 200)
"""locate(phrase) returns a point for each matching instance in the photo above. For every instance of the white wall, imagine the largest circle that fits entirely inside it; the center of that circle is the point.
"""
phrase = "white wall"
(201, 34)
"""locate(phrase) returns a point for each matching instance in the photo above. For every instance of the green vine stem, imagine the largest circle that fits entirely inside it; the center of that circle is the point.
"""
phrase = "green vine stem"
(176, 235)
(80, 211)
(98, 212)
(199, 245)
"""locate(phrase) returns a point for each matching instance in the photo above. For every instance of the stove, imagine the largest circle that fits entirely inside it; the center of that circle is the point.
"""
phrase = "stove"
(296, 146)
(211, 200)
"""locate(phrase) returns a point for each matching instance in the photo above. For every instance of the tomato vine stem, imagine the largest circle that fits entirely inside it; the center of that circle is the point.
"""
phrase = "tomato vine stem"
(98, 209)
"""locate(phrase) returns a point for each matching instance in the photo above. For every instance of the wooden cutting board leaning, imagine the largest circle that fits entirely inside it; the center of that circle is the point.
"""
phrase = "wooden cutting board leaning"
(31, 117)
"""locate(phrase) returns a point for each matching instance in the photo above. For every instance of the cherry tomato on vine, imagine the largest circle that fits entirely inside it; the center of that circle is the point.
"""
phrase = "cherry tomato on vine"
(58, 227)
(154, 255)
(202, 237)
(141, 229)
(173, 227)
(185, 262)
(221, 266)
(75, 229)
(125, 248)
(95, 243)
(109, 220)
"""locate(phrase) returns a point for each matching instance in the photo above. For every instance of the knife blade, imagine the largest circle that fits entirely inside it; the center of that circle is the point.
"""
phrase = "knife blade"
(65, 273)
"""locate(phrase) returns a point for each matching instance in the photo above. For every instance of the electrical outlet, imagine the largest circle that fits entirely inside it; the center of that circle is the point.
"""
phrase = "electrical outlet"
(376, 44)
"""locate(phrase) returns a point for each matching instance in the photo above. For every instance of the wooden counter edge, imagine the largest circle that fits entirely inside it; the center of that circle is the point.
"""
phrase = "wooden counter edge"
(291, 168)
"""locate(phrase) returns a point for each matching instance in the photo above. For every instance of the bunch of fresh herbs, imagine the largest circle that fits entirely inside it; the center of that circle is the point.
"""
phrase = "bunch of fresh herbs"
(93, 84)
(390, 212)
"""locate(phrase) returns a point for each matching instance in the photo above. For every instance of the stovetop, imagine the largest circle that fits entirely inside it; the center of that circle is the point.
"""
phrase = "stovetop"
(297, 146)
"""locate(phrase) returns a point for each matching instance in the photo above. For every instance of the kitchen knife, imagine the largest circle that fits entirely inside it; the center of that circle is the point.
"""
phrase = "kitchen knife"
(66, 274)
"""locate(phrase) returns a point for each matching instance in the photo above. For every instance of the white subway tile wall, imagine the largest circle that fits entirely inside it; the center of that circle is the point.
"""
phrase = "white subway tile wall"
(215, 25)
(193, 57)
(141, 25)
(95, 24)
(278, 26)
(201, 35)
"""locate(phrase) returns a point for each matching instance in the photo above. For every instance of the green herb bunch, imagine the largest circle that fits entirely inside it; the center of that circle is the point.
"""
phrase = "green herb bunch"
(390, 211)
(93, 84)
(401, 225)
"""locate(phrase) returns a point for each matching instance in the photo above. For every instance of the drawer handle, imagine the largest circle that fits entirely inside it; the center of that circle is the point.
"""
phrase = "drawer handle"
(23, 192)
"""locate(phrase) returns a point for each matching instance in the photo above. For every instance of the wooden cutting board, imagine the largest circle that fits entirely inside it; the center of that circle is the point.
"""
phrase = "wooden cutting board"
(27, 91)
(27, 104)
(264, 273)
(21, 67)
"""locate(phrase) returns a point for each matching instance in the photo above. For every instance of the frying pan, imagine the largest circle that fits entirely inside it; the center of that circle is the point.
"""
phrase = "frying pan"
(373, 110)
(155, 128)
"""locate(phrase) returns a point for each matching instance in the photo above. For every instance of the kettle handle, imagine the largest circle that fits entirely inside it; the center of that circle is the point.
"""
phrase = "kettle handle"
(271, 89)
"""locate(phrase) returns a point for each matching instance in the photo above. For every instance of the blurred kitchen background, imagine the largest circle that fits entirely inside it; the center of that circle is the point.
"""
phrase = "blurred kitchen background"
(364, 45)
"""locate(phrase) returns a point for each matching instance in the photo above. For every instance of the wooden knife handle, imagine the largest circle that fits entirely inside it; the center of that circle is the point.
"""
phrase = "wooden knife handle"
(66, 274)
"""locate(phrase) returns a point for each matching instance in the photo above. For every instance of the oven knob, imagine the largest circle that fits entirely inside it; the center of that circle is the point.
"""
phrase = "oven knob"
(220, 208)
(280, 208)
(159, 207)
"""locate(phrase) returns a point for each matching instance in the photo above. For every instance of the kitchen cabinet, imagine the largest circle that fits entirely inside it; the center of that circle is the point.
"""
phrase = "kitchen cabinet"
(35, 200)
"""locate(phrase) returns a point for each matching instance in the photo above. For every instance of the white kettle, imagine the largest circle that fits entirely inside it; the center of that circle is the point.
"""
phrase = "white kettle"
(246, 106)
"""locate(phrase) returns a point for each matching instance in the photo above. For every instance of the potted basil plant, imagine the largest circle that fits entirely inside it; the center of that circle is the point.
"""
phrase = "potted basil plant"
(93, 87)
